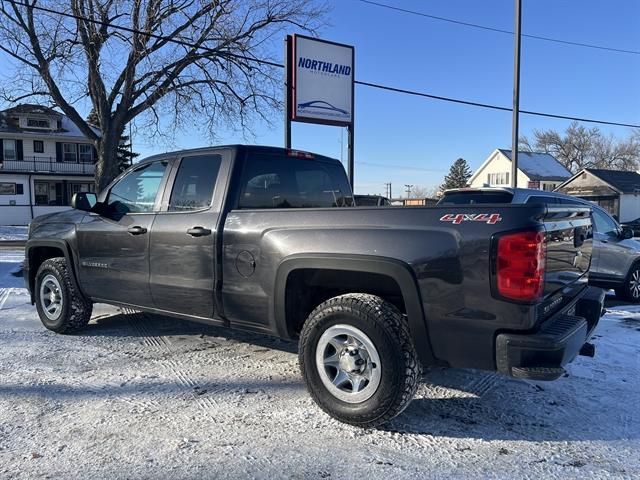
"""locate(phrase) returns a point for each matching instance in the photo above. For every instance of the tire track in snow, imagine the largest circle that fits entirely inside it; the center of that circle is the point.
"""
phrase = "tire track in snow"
(5, 293)
(483, 385)
(139, 322)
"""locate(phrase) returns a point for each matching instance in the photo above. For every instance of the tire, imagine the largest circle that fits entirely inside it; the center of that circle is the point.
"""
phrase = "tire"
(386, 363)
(60, 306)
(630, 291)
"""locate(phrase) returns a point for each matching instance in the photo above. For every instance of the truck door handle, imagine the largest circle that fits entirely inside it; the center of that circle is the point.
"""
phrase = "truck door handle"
(137, 230)
(198, 231)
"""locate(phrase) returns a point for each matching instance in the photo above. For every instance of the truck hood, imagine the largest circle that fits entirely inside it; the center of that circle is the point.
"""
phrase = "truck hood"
(67, 216)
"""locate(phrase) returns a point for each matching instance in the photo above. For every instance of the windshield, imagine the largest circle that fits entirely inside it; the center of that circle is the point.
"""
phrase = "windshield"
(475, 197)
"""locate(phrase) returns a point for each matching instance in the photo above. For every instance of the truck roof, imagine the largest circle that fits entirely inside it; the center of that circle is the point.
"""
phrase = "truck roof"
(294, 153)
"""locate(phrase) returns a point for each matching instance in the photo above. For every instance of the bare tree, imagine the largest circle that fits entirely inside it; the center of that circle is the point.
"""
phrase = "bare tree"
(419, 191)
(581, 147)
(186, 60)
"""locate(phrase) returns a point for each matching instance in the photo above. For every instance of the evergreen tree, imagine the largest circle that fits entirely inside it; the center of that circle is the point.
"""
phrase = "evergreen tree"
(458, 176)
(125, 155)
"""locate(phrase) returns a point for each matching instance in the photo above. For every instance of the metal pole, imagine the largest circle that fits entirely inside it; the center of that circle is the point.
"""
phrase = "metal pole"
(352, 125)
(409, 187)
(516, 95)
(350, 154)
(288, 45)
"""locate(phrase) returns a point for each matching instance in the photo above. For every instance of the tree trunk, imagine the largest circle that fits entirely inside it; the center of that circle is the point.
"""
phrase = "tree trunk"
(107, 165)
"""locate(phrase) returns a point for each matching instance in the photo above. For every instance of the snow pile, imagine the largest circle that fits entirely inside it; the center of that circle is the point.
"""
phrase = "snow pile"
(9, 232)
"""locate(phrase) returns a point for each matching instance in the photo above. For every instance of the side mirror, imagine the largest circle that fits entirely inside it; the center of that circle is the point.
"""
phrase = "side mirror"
(627, 233)
(84, 201)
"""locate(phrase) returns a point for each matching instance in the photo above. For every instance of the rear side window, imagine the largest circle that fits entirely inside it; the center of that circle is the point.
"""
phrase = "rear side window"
(272, 181)
(194, 184)
(472, 198)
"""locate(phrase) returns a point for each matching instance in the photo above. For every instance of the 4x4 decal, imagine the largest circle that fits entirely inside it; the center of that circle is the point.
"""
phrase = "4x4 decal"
(458, 218)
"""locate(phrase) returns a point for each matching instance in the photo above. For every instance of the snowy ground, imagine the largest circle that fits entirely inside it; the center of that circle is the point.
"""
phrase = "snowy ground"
(13, 233)
(140, 396)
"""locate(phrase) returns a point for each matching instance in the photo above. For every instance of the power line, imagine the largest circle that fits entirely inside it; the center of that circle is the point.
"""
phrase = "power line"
(494, 107)
(387, 165)
(358, 82)
(498, 30)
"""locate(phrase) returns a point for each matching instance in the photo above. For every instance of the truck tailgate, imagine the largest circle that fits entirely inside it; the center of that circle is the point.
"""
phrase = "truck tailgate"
(568, 240)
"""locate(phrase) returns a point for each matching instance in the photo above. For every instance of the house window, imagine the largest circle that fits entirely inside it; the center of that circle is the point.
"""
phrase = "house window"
(501, 178)
(9, 149)
(549, 187)
(79, 187)
(38, 146)
(49, 193)
(69, 152)
(37, 123)
(86, 153)
(8, 188)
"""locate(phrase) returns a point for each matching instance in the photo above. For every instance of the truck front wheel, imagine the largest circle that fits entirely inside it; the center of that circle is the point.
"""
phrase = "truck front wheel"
(358, 359)
(60, 306)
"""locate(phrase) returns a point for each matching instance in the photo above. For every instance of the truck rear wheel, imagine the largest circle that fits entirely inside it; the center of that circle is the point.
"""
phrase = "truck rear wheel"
(60, 306)
(358, 359)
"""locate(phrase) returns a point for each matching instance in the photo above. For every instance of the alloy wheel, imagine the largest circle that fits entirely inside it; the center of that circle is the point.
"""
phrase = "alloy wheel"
(348, 363)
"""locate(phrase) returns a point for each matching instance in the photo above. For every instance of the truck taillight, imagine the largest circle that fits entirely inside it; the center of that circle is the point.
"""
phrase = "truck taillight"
(520, 265)
(300, 154)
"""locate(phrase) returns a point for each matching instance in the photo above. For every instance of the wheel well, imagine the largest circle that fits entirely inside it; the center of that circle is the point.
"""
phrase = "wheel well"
(307, 288)
(37, 255)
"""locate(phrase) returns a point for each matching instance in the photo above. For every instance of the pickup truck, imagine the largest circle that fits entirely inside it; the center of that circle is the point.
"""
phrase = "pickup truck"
(615, 262)
(268, 240)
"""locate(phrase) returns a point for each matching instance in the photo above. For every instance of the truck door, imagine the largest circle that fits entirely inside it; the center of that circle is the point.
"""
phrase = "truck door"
(113, 246)
(183, 238)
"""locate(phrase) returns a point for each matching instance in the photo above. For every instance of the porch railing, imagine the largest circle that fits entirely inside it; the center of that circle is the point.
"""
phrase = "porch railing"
(46, 165)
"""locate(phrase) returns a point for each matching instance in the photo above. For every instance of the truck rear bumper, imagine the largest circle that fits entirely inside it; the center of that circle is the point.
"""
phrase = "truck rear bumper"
(543, 354)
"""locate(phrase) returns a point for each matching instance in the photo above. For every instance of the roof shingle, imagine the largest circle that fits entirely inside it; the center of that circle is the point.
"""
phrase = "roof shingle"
(625, 182)
(540, 166)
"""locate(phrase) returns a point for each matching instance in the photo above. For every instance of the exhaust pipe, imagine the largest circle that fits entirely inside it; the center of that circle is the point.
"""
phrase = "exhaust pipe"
(588, 350)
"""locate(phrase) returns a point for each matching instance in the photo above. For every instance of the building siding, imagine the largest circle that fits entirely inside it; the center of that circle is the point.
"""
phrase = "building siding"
(498, 164)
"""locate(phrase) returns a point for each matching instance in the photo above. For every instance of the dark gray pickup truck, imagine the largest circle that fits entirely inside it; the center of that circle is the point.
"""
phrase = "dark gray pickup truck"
(268, 240)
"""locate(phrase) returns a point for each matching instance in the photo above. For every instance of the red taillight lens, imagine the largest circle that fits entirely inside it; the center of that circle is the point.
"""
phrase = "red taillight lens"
(520, 265)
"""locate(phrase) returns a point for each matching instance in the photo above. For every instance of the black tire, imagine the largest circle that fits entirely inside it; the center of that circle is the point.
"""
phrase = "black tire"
(74, 312)
(388, 331)
(627, 292)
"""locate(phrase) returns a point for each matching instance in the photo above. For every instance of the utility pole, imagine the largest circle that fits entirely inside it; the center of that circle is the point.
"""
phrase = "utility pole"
(408, 187)
(516, 95)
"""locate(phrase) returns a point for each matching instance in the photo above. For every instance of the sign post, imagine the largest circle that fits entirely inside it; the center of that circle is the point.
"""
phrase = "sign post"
(288, 49)
(320, 87)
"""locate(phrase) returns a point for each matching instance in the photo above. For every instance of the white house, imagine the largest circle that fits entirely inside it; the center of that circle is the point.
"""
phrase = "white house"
(44, 160)
(535, 170)
(616, 191)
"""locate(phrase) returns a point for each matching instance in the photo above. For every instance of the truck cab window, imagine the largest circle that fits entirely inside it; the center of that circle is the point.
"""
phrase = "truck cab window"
(278, 182)
(194, 184)
(136, 192)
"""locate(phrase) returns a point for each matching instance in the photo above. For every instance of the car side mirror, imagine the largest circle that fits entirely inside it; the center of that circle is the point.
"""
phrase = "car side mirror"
(84, 201)
(626, 233)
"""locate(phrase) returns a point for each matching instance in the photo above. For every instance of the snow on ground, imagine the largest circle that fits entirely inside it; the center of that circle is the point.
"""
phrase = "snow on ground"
(13, 233)
(142, 396)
